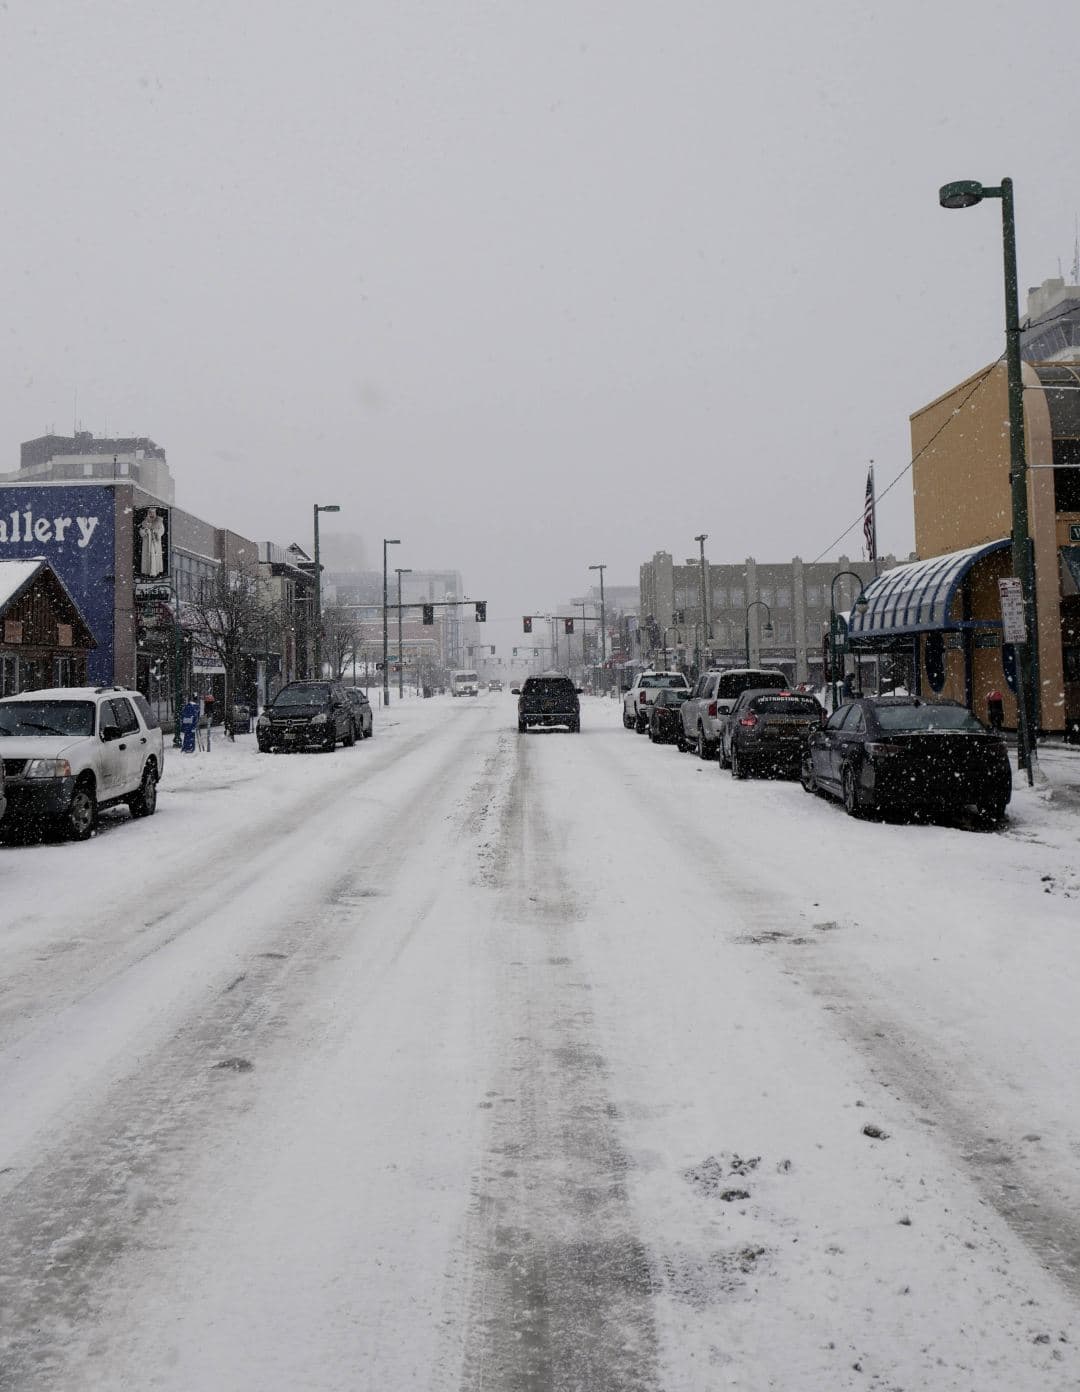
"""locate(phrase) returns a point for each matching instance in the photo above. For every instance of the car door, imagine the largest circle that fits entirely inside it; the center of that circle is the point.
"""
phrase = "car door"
(823, 746)
(131, 746)
(690, 708)
(846, 742)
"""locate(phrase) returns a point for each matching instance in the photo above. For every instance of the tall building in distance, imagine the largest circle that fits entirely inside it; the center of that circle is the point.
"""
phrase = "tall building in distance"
(88, 458)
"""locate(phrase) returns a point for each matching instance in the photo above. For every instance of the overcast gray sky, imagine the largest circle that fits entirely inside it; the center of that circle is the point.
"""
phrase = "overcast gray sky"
(529, 285)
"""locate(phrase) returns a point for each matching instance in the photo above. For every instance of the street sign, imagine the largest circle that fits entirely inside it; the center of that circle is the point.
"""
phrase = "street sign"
(1013, 619)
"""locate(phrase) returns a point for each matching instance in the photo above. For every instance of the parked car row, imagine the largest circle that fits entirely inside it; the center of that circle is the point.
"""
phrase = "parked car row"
(886, 753)
(319, 714)
(68, 752)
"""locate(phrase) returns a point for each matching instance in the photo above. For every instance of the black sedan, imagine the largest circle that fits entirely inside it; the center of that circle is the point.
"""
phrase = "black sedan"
(904, 753)
(665, 723)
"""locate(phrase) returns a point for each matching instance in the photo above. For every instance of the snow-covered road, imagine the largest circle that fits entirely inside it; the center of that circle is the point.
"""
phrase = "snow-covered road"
(464, 1060)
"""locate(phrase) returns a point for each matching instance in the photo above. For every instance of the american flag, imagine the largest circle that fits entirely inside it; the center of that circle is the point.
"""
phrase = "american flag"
(869, 521)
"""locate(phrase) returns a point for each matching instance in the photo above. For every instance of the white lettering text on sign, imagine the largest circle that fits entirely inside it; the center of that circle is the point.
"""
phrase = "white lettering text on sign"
(1013, 620)
(24, 526)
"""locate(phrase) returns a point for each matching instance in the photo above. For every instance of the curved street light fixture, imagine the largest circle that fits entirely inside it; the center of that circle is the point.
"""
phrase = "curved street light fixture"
(861, 604)
(965, 193)
(767, 628)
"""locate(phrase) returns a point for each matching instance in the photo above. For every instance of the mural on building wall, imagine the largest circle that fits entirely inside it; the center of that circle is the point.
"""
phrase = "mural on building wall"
(73, 529)
(151, 543)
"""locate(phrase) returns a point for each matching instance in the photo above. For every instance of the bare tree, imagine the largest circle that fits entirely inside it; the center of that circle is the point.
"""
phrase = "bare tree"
(231, 615)
(341, 637)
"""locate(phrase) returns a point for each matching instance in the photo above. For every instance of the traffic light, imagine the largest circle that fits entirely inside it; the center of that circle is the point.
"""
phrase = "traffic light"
(569, 625)
(515, 652)
(429, 613)
(493, 649)
(526, 624)
(481, 611)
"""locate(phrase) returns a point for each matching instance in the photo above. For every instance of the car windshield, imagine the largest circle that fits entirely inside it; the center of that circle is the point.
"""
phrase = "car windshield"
(314, 695)
(786, 705)
(675, 681)
(928, 718)
(47, 718)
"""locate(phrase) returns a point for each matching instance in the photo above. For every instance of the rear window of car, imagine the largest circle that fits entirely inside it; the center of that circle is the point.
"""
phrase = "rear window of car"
(672, 682)
(548, 686)
(927, 718)
(786, 705)
(733, 684)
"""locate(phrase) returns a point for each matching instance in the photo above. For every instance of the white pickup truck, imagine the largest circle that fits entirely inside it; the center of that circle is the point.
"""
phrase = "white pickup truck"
(638, 700)
(464, 684)
(69, 751)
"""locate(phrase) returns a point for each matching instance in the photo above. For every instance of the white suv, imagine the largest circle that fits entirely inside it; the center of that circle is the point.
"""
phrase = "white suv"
(637, 702)
(70, 751)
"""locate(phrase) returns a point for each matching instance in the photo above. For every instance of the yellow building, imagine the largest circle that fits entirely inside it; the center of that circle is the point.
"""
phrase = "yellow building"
(946, 608)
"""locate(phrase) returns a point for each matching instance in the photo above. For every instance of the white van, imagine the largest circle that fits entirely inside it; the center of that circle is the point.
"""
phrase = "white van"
(464, 684)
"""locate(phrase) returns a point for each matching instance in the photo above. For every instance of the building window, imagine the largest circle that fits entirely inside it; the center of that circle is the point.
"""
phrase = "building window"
(719, 599)
(738, 597)
(1067, 478)
(9, 674)
(813, 596)
(783, 597)
(765, 594)
(783, 633)
(64, 671)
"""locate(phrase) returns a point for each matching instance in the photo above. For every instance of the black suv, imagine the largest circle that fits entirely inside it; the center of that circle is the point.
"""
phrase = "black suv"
(306, 713)
(550, 699)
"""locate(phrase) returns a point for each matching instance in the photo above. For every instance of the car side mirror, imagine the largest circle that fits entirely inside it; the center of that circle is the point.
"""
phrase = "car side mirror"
(109, 731)
(515, 691)
(579, 690)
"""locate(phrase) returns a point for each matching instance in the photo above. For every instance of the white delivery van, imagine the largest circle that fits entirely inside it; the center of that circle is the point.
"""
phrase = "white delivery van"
(464, 684)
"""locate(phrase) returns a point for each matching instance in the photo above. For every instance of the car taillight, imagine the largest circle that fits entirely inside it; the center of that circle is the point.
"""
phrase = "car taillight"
(877, 750)
(749, 721)
(642, 697)
(712, 709)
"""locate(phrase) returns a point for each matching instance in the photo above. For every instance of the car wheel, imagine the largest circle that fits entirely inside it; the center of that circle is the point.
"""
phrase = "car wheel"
(144, 802)
(522, 727)
(806, 775)
(81, 817)
(575, 727)
(264, 748)
(738, 766)
(722, 755)
(852, 805)
(640, 725)
(349, 738)
(992, 814)
(680, 741)
(628, 721)
(704, 748)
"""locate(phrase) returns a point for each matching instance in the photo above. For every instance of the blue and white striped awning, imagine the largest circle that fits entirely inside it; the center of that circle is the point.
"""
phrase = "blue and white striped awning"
(917, 598)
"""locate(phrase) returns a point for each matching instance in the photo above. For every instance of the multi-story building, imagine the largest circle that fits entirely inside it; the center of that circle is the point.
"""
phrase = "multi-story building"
(945, 610)
(87, 458)
(795, 598)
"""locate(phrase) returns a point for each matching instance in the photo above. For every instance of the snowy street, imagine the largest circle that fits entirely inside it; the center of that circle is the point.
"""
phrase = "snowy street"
(468, 1060)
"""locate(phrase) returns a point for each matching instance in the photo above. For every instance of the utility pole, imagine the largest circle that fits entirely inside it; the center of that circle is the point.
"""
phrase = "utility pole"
(328, 507)
(400, 571)
(603, 630)
(706, 631)
(385, 633)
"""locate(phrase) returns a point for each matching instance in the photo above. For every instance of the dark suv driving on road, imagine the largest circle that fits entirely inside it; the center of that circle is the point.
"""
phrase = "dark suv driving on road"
(549, 699)
(306, 713)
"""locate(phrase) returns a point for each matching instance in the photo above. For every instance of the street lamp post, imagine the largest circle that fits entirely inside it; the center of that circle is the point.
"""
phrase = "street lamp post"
(319, 507)
(385, 633)
(965, 193)
(861, 604)
(706, 631)
(603, 630)
(766, 631)
(399, 571)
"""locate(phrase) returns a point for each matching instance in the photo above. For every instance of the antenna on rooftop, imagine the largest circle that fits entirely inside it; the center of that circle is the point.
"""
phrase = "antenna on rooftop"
(1076, 251)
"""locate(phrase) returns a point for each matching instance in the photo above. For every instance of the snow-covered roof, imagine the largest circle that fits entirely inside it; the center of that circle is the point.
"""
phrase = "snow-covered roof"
(15, 576)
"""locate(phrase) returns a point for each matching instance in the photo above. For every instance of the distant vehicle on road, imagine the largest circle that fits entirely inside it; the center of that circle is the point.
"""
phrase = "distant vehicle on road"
(70, 751)
(548, 699)
(768, 730)
(305, 714)
(464, 684)
(363, 724)
(665, 724)
(639, 698)
(903, 752)
(495, 684)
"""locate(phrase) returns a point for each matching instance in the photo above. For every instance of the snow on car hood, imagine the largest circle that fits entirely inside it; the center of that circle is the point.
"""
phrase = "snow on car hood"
(40, 746)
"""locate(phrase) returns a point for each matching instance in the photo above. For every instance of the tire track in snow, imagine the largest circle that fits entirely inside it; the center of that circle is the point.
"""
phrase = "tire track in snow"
(559, 1285)
(85, 1203)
